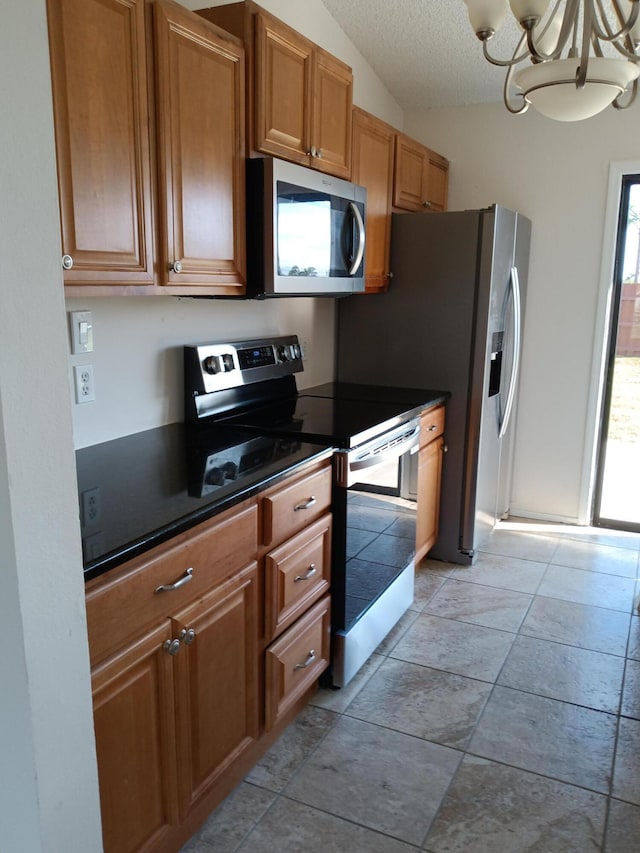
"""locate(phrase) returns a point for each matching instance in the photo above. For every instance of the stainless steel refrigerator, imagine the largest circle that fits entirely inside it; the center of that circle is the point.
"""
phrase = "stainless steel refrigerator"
(452, 319)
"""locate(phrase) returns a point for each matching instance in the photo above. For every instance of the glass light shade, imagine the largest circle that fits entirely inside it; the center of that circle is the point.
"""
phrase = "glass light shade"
(486, 14)
(551, 88)
(546, 43)
(528, 8)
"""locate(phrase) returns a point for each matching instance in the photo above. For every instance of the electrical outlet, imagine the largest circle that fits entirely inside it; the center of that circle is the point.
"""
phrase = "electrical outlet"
(93, 546)
(91, 506)
(83, 376)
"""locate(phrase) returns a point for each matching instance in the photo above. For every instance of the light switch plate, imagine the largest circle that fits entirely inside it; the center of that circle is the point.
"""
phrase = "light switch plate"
(81, 327)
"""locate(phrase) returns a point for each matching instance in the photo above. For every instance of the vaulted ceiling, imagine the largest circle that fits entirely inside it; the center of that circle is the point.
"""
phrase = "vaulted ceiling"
(424, 51)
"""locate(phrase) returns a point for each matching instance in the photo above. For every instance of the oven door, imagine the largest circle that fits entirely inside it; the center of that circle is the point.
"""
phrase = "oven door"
(376, 466)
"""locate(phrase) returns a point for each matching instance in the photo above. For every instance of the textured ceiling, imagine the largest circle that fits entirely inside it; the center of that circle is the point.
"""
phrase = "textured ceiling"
(424, 51)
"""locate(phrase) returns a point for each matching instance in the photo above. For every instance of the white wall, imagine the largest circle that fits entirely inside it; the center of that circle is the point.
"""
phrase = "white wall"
(137, 359)
(48, 783)
(556, 174)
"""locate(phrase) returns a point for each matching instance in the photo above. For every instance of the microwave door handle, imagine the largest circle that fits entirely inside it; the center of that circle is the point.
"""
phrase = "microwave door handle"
(359, 252)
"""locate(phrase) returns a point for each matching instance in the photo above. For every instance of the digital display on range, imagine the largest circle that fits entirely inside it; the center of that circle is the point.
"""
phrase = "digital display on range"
(256, 357)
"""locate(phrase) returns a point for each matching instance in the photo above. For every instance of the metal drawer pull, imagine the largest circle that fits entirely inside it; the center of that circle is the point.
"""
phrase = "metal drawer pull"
(188, 576)
(172, 647)
(308, 503)
(311, 571)
(310, 659)
(431, 427)
(187, 636)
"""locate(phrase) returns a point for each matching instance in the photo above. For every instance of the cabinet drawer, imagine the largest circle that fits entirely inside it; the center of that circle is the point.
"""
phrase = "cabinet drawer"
(431, 424)
(298, 573)
(296, 660)
(292, 507)
(123, 602)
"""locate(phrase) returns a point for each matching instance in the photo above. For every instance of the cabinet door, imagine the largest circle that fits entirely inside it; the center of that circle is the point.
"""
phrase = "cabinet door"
(296, 660)
(331, 123)
(437, 181)
(135, 744)
(288, 508)
(283, 68)
(421, 177)
(372, 167)
(98, 67)
(216, 684)
(200, 114)
(410, 178)
(296, 574)
(429, 477)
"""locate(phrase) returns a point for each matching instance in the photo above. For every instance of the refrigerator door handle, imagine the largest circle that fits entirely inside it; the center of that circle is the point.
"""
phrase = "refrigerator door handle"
(514, 284)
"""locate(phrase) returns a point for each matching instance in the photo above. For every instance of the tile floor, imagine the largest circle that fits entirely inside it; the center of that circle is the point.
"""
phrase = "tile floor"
(501, 714)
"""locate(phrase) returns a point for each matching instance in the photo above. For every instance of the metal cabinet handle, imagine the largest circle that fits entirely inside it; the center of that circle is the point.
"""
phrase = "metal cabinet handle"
(311, 571)
(172, 647)
(67, 262)
(306, 505)
(319, 153)
(310, 659)
(188, 576)
(175, 266)
(312, 151)
(431, 427)
(187, 636)
(427, 204)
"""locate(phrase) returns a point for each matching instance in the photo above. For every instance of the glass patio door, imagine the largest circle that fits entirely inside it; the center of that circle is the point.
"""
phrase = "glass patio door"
(617, 492)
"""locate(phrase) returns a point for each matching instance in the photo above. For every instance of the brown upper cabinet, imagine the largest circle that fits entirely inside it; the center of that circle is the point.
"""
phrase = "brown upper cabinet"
(421, 177)
(372, 167)
(200, 113)
(128, 75)
(100, 96)
(299, 95)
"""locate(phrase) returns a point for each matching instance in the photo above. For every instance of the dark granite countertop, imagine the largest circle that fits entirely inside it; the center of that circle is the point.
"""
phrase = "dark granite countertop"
(140, 490)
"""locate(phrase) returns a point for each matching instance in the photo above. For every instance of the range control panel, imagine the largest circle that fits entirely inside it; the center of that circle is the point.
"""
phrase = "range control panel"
(210, 368)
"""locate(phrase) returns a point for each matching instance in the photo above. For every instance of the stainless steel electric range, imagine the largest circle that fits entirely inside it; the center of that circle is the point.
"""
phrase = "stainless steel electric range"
(250, 386)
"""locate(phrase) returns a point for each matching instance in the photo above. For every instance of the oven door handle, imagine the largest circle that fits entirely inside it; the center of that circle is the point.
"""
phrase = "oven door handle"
(386, 456)
(401, 441)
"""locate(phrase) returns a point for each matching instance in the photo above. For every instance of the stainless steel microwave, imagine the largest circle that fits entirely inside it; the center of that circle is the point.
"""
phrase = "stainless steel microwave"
(305, 231)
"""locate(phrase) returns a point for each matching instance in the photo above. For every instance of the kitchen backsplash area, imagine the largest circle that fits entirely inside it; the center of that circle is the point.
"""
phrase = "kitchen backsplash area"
(137, 353)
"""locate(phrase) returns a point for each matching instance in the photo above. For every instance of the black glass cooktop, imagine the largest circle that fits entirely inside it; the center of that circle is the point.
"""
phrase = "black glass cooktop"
(342, 422)
(422, 397)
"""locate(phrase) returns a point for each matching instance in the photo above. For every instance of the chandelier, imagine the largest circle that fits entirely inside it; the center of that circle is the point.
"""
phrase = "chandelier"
(583, 54)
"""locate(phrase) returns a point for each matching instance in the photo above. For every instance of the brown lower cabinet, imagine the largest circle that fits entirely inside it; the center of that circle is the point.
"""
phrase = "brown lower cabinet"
(429, 478)
(189, 686)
